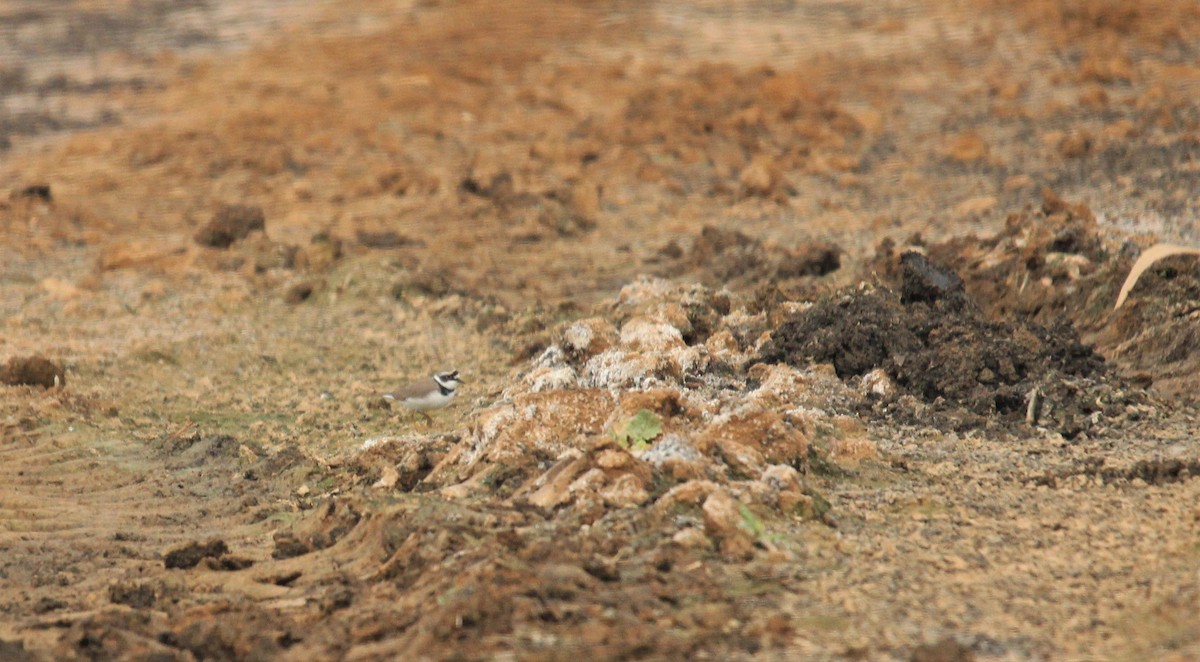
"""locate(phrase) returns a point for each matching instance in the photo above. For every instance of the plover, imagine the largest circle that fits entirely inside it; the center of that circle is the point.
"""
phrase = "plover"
(430, 393)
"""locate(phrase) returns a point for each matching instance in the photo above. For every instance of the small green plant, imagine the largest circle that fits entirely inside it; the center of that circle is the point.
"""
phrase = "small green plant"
(750, 521)
(637, 433)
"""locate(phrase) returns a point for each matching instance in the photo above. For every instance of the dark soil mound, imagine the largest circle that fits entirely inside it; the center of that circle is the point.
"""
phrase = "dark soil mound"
(934, 343)
(32, 371)
(1051, 263)
(230, 224)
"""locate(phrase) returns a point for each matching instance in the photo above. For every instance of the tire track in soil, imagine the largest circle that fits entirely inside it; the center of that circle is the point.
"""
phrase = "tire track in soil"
(87, 516)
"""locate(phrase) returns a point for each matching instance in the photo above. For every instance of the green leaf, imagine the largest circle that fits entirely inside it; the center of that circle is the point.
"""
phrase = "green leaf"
(644, 427)
(637, 433)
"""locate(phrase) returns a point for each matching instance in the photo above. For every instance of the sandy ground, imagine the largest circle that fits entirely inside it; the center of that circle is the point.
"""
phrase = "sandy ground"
(775, 318)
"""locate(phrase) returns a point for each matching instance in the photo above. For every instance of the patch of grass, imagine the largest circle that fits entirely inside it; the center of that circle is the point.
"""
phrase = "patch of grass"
(285, 517)
(156, 355)
(921, 506)
(785, 540)
(750, 587)
(814, 621)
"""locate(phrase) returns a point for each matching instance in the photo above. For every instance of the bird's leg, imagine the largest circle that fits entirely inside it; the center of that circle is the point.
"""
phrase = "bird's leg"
(428, 420)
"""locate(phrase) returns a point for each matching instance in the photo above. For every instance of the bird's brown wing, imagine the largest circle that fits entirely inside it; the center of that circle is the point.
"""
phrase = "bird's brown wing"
(414, 389)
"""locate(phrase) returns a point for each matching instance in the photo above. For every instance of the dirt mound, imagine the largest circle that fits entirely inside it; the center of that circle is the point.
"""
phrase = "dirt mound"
(231, 223)
(675, 363)
(936, 345)
(587, 496)
(1053, 265)
(32, 371)
(193, 553)
(925, 281)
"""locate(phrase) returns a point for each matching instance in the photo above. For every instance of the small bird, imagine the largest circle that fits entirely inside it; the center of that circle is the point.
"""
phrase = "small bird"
(430, 393)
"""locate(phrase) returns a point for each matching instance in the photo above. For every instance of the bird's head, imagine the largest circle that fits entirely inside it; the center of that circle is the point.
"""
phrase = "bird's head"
(449, 379)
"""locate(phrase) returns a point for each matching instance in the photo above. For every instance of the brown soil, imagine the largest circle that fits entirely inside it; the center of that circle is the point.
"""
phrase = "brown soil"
(788, 332)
